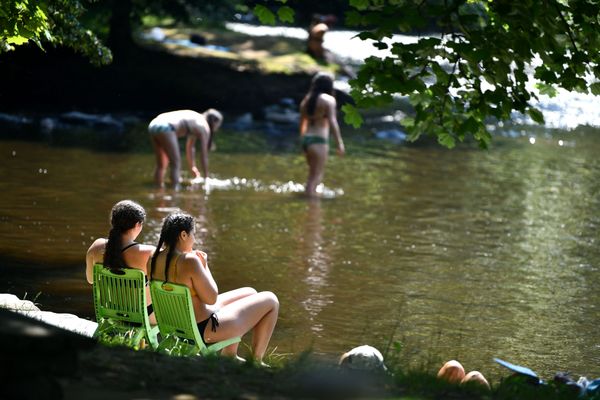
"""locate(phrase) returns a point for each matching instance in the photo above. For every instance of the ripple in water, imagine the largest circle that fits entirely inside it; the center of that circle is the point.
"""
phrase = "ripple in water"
(236, 183)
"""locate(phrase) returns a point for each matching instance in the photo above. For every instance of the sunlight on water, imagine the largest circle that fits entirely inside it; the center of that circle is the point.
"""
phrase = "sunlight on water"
(236, 183)
(464, 253)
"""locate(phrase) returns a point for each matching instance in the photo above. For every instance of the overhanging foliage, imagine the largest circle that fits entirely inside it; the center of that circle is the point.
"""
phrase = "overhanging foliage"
(476, 66)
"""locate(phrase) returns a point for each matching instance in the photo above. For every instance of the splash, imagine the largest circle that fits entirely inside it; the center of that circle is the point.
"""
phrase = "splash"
(236, 183)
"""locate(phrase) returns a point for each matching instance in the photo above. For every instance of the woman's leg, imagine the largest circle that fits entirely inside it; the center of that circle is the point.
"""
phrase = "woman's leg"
(476, 376)
(162, 160)
(316, 157)
(257, 312)
(233, 295)
(167, 143)
(452, 372)
(226, 298)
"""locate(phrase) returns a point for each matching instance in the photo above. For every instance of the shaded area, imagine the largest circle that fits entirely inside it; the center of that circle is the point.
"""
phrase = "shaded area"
(145, 79)
(33, 355)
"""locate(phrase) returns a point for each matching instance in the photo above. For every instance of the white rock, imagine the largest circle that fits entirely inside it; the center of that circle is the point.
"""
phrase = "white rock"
(366, 358)
(12, 302)
(69, 322)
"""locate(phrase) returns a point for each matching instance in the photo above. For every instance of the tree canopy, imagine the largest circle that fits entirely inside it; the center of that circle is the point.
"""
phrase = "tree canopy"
(53, 21)
(476, 65)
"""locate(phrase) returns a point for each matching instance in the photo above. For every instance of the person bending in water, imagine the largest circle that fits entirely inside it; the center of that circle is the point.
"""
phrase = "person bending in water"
(220, 316)
(318, 115)
(166, 128)
(121, 250)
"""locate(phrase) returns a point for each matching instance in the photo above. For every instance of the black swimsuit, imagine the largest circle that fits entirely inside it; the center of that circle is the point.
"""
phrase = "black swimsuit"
(149, 308)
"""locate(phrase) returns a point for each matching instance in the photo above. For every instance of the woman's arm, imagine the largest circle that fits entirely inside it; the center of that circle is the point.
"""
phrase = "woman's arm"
(93, 256)
(202, 280)
(333, 124)
(303, 117)
(303, 124)
(190, 153)
(204, 154)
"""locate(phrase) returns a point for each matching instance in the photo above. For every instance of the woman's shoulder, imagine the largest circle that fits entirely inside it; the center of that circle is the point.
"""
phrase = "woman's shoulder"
(98, 246)
(145, 248)
(327, 98)
(195, 258)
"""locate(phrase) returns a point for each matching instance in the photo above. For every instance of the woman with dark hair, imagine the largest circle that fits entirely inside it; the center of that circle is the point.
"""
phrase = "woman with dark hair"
(220, 316)
(318, 115)
(167, 128)
(121, 250)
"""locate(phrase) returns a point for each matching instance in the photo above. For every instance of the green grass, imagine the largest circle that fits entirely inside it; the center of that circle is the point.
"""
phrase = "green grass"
(299, 376)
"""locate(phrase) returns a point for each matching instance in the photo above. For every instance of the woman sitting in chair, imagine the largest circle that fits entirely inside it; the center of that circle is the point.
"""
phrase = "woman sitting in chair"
(121, 250)
(219, 316)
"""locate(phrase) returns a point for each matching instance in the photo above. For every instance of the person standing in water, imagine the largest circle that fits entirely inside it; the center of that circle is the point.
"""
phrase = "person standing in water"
(167, 128)
(318, 116)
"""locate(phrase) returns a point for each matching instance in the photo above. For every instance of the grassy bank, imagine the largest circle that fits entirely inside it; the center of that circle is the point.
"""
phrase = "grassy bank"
(119, 373)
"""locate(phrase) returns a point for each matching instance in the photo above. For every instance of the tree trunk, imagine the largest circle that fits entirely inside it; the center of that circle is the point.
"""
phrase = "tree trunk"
(120, 39)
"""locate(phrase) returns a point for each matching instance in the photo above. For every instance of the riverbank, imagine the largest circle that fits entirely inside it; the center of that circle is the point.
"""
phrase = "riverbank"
(231, 71)
(46, 358)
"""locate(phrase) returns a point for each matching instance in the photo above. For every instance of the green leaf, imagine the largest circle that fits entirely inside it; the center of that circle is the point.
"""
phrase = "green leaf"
(265, 15)
(469, 126)
(595, 88)
(285, 14)
(546, 89)
(408, 122)
(351, 115)
(353, 18)
(360, 4)
(17, 40)
(536, 115)
(446, 140)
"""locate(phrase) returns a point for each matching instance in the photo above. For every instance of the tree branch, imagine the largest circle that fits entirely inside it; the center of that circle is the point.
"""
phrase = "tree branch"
(569, 31)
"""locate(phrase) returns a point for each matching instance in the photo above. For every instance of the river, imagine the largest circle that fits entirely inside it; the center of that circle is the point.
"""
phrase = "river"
(460, 253)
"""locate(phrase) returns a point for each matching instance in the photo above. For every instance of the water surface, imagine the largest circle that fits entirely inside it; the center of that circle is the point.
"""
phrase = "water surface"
(456, 254)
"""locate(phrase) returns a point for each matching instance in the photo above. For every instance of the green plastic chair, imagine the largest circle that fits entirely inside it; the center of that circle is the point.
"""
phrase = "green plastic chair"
(175, 316)
(120, 304)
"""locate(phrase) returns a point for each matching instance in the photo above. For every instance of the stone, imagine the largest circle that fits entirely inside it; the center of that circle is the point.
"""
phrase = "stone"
(364, 358)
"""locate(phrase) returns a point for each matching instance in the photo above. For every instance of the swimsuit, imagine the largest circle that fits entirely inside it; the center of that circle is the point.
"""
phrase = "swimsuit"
(201, 325)
(308, 140)
(213, 316)
(149, 307)
(158, 126)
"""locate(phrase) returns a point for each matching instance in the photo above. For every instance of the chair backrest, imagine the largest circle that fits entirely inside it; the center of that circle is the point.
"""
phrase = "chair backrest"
(175, 312)
(120, 295)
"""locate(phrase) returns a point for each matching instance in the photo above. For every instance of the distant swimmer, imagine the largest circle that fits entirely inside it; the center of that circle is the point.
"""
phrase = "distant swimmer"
(319, 26)
(165, 130)
(316, 36)
(318, 115)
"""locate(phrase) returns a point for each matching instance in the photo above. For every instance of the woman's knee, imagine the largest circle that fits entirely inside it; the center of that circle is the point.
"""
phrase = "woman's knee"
(477, 377)
(248, 291)
(270, 299)
(452, 371)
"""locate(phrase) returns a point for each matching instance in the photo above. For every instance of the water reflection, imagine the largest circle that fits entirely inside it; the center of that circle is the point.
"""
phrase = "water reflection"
(317, 263)
(167, 201)
(456, 254)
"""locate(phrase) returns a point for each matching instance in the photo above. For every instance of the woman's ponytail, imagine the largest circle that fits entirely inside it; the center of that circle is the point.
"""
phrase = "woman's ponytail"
(113, 258)
(161, 240)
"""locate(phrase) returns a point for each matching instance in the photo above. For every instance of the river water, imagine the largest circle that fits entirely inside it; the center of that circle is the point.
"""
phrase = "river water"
(460, 253)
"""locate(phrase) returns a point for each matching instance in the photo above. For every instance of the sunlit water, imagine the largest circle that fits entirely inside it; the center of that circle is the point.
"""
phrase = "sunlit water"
(456, 254)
